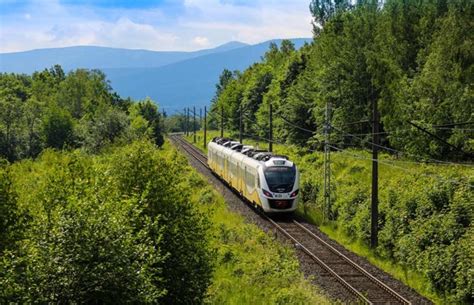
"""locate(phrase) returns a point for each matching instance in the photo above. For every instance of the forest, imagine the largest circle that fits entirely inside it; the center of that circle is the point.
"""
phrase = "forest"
(414, 60)
(52, 109)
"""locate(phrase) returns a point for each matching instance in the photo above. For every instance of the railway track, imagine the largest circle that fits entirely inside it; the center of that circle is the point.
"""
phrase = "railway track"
(190, 149)
(361, 284)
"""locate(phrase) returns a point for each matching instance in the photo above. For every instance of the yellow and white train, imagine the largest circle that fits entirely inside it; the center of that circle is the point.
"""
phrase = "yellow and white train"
(270, 182)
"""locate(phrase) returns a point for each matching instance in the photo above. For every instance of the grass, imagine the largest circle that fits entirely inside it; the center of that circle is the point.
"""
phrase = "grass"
(351, 182)
(251, 267)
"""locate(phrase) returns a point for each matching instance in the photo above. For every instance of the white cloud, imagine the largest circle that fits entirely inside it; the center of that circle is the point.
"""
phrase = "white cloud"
(253, 23)
(199, 23)
(201, 41)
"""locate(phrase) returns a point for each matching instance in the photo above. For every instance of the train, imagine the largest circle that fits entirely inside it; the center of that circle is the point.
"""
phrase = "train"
(268, 181)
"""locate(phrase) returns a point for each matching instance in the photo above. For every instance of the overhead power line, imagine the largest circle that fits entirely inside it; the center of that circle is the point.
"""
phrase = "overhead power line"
(296, 126)
(438, 138)
(400, 152)
(357, 136)
(453, 124)
(454, 129)
(357, 156)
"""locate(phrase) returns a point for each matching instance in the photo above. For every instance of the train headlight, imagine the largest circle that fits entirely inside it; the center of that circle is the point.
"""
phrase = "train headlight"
(295, 193)
(267, 193)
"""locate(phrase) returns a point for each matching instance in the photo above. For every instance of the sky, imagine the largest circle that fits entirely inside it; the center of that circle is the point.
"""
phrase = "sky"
(160, 25)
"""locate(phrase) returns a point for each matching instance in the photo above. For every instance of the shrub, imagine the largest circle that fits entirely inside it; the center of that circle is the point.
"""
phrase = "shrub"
(114, 228)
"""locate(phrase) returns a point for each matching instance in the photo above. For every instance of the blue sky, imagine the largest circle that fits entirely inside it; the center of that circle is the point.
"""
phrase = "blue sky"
(161, 25)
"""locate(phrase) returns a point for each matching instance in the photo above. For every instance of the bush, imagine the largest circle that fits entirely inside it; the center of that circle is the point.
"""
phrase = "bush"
(114, 228)
(9, 219)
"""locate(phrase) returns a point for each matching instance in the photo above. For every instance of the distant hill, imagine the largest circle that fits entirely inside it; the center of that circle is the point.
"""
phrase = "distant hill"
(189, 82)
(173, 79)
(91, 57)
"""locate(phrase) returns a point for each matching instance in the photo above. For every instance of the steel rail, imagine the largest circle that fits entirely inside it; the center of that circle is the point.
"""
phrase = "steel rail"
(348, 286)
(379, 283)
(198, 155)
(190, 149)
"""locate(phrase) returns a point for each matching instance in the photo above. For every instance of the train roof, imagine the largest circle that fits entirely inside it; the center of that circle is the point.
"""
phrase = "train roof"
(249, 151)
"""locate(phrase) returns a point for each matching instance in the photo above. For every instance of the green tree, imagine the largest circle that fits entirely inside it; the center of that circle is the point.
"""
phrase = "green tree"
(11, 116)
(324, 10)
(148, 110)
(58, 128)
(9, 216)
(33, 114)
(83, 91)
(103, 128)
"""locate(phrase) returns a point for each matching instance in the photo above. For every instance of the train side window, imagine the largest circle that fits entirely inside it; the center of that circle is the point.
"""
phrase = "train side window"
(249, 178)
(234, 169)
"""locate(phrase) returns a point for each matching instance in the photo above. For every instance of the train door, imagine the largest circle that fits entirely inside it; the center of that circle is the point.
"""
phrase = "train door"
(239, 175)
(244, 182)
(227, 168)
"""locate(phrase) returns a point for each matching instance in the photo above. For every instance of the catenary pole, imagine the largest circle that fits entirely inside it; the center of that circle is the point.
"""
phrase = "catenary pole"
(185, 123)
(270, 140)
(375, 176)
(194, 124)
(327, 163)
(240, 124)
(205, 127)
(222, 121)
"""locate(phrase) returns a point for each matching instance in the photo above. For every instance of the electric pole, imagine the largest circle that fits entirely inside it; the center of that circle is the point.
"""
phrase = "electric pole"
(270, 140)
(240, 124)
(327, 163)
(185, 123)
(222, 121)
(200, 118)
(189, 123)
(194, 123)
(375, 176)
(205, 127)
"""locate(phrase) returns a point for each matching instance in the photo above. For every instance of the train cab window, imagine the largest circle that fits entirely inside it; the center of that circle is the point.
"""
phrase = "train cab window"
(280, 179)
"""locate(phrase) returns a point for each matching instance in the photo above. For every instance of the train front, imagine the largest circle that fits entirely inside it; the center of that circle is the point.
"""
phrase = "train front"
(279, 186)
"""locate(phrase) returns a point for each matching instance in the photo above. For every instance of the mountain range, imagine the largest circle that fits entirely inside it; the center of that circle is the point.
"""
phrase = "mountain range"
(173, 79)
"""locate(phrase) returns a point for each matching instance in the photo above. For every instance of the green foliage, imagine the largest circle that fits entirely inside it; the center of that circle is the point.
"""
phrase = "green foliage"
(412, 58)
(149, 112)
(52, 109)
(415, 59)
(10, 126)
(426, 218)
(10, 222)
(106, 126)
(133, 225)
(112, 228)
(58, 128)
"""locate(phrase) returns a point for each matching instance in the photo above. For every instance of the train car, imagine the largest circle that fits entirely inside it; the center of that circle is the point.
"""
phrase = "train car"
(268, 181)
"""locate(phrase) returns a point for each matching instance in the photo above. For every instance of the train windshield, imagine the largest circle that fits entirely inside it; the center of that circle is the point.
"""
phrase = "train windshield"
(280, 179)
